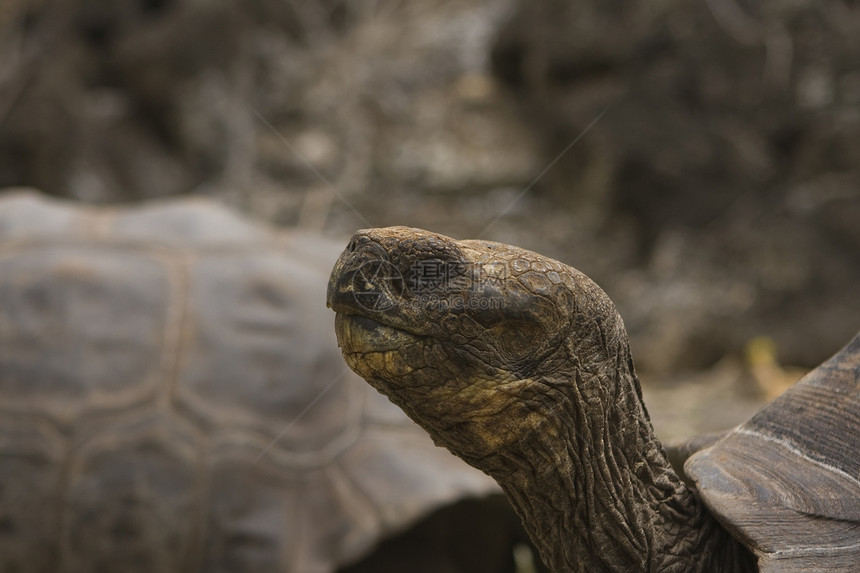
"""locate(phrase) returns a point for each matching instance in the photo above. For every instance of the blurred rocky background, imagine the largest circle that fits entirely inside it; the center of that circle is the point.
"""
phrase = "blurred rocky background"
(701, 161)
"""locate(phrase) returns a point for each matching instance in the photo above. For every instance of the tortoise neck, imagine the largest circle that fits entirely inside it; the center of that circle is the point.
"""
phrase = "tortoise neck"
(596, 491)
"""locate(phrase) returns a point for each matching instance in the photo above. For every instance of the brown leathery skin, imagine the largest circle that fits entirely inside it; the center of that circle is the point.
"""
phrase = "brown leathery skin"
(520, 365)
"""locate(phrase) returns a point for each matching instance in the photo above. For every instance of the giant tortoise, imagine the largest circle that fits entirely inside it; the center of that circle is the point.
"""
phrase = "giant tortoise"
(521, 366)
(172, 399)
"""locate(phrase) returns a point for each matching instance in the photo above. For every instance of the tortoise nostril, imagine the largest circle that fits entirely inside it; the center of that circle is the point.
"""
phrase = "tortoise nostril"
(397, 286)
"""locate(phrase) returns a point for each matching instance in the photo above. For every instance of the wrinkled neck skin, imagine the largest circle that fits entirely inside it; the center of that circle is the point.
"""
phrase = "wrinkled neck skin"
(594, 487)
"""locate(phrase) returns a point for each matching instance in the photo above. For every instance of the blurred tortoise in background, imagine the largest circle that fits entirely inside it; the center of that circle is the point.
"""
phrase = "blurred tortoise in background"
(172, 399)
(521, 365)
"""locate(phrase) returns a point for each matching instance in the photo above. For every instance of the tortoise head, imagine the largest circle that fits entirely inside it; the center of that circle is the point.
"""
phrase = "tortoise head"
(470, 338)
(520, 365)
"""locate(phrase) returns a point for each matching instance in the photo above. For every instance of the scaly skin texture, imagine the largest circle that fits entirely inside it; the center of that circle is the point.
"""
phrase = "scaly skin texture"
(520, 365)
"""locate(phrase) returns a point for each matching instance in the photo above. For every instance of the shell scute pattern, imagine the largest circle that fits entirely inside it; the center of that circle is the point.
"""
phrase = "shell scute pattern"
(78, 322)
(172, 399)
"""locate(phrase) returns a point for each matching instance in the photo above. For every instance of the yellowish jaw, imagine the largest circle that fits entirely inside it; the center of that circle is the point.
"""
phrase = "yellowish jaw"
(372, 348)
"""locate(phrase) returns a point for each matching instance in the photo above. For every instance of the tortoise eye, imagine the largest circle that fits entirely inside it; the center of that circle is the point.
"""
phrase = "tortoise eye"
(518, 339)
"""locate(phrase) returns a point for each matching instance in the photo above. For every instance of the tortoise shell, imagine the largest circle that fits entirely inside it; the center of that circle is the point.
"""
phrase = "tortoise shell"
(787, 481)
(172, 398)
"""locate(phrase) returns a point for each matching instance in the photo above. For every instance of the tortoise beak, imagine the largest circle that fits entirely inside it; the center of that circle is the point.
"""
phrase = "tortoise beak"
(338, 292)
(363, 281)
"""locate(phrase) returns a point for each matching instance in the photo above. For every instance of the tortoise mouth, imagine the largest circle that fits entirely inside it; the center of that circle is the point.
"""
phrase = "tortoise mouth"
(360, 334)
